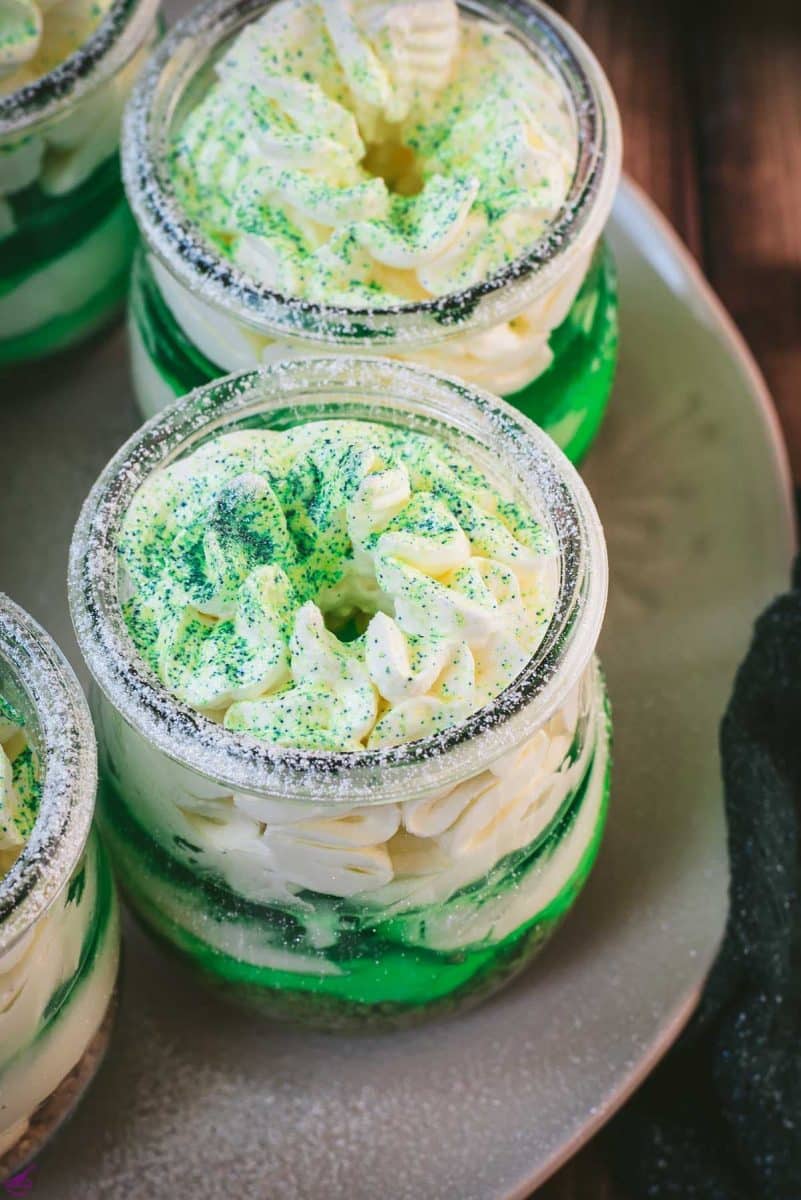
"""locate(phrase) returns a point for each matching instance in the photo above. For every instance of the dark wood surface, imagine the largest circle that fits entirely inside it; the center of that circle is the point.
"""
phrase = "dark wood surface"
(710, 99)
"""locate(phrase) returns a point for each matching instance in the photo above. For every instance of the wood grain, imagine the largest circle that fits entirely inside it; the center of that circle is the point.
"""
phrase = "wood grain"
(640, 44)
(710, 100)
(746, 72)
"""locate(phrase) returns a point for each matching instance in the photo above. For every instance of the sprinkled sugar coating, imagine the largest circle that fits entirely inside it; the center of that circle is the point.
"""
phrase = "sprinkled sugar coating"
(19, 786)
(374, 153)
(341, 585)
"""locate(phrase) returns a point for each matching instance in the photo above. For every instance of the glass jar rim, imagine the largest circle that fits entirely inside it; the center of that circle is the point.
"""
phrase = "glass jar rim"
(195, 264)
(364, 388)
(64, 739)
(115, 41)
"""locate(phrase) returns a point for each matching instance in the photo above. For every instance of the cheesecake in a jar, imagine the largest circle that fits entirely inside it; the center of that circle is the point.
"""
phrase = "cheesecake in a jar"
(341, 615)
(427, 181)
(59, 929)
(66, 235)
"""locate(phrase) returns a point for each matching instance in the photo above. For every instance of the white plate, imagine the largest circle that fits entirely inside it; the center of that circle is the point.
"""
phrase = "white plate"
(197, 1100)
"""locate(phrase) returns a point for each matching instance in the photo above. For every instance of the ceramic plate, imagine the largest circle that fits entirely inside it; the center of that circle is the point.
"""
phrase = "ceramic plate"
(197, 1100)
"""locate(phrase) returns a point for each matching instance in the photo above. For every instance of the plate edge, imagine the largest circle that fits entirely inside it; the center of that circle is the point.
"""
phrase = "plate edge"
(636, 195)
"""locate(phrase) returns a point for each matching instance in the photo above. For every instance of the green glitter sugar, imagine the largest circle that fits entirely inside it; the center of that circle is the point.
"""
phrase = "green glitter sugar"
(341, 585)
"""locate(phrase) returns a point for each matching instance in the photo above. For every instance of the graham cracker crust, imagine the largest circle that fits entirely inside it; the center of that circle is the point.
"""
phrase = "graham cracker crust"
(59, 1105)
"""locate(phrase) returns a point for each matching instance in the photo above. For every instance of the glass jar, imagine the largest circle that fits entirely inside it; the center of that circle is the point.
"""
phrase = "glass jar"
(542, 332)
(59, 925)
(348, 888)
(66, 233)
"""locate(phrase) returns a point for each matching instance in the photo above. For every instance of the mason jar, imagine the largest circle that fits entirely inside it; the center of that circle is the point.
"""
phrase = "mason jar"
(542, 332)
(66, 234)
(356, 887)
(59, 927)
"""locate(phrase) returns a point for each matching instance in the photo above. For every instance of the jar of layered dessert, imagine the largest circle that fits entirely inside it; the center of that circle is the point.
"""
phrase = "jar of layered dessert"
(66, 234)
(341, 615)
(426, 181)
(59, 928)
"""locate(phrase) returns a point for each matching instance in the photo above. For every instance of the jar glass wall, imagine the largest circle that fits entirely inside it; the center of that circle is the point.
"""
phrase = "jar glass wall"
(364, 887)
(59, 927)
(541, 332)
(66, 233)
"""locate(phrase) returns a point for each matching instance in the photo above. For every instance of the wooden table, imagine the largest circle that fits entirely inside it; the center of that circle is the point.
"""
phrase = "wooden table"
(710, 99)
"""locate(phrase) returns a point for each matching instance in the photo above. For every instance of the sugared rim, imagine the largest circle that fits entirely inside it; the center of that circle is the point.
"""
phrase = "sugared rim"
(178, 244)
(282, 394)
(116, 39)
(60, 727)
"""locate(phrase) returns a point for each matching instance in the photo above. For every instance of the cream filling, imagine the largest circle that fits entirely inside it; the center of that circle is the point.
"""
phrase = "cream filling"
(395, 858)
(152, 391)
(32, 1062)
(243, 558)
(502, 359)
(374, 151)
(67, 283)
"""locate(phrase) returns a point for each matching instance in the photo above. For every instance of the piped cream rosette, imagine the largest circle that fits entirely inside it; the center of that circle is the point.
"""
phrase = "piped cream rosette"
(241, 555)
(354, 153)
(411, 853)
(377, 153)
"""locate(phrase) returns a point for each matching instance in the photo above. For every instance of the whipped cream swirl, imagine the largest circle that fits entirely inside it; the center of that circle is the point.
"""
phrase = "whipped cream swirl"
(374, 152)
(19, 786)
(339, 586)
(393, 857)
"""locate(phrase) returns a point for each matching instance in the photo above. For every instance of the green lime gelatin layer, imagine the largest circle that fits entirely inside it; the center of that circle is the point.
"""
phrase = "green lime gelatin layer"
(335, 962)
(64, 268)
(568, 400)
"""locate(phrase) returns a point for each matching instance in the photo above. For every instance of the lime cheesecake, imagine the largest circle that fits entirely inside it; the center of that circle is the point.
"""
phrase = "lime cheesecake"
(354, 742)
(409, 178)
(59, 934)
(66, 235)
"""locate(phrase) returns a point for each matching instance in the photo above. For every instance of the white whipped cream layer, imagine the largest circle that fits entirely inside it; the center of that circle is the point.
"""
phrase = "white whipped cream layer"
(35, 1058)
(395, 858)
(502, 359)
(70, 282)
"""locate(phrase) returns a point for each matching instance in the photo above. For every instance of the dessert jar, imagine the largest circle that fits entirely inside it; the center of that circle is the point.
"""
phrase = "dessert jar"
(344, 889)
(542, 332)
(66, 233)
(59, 926)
